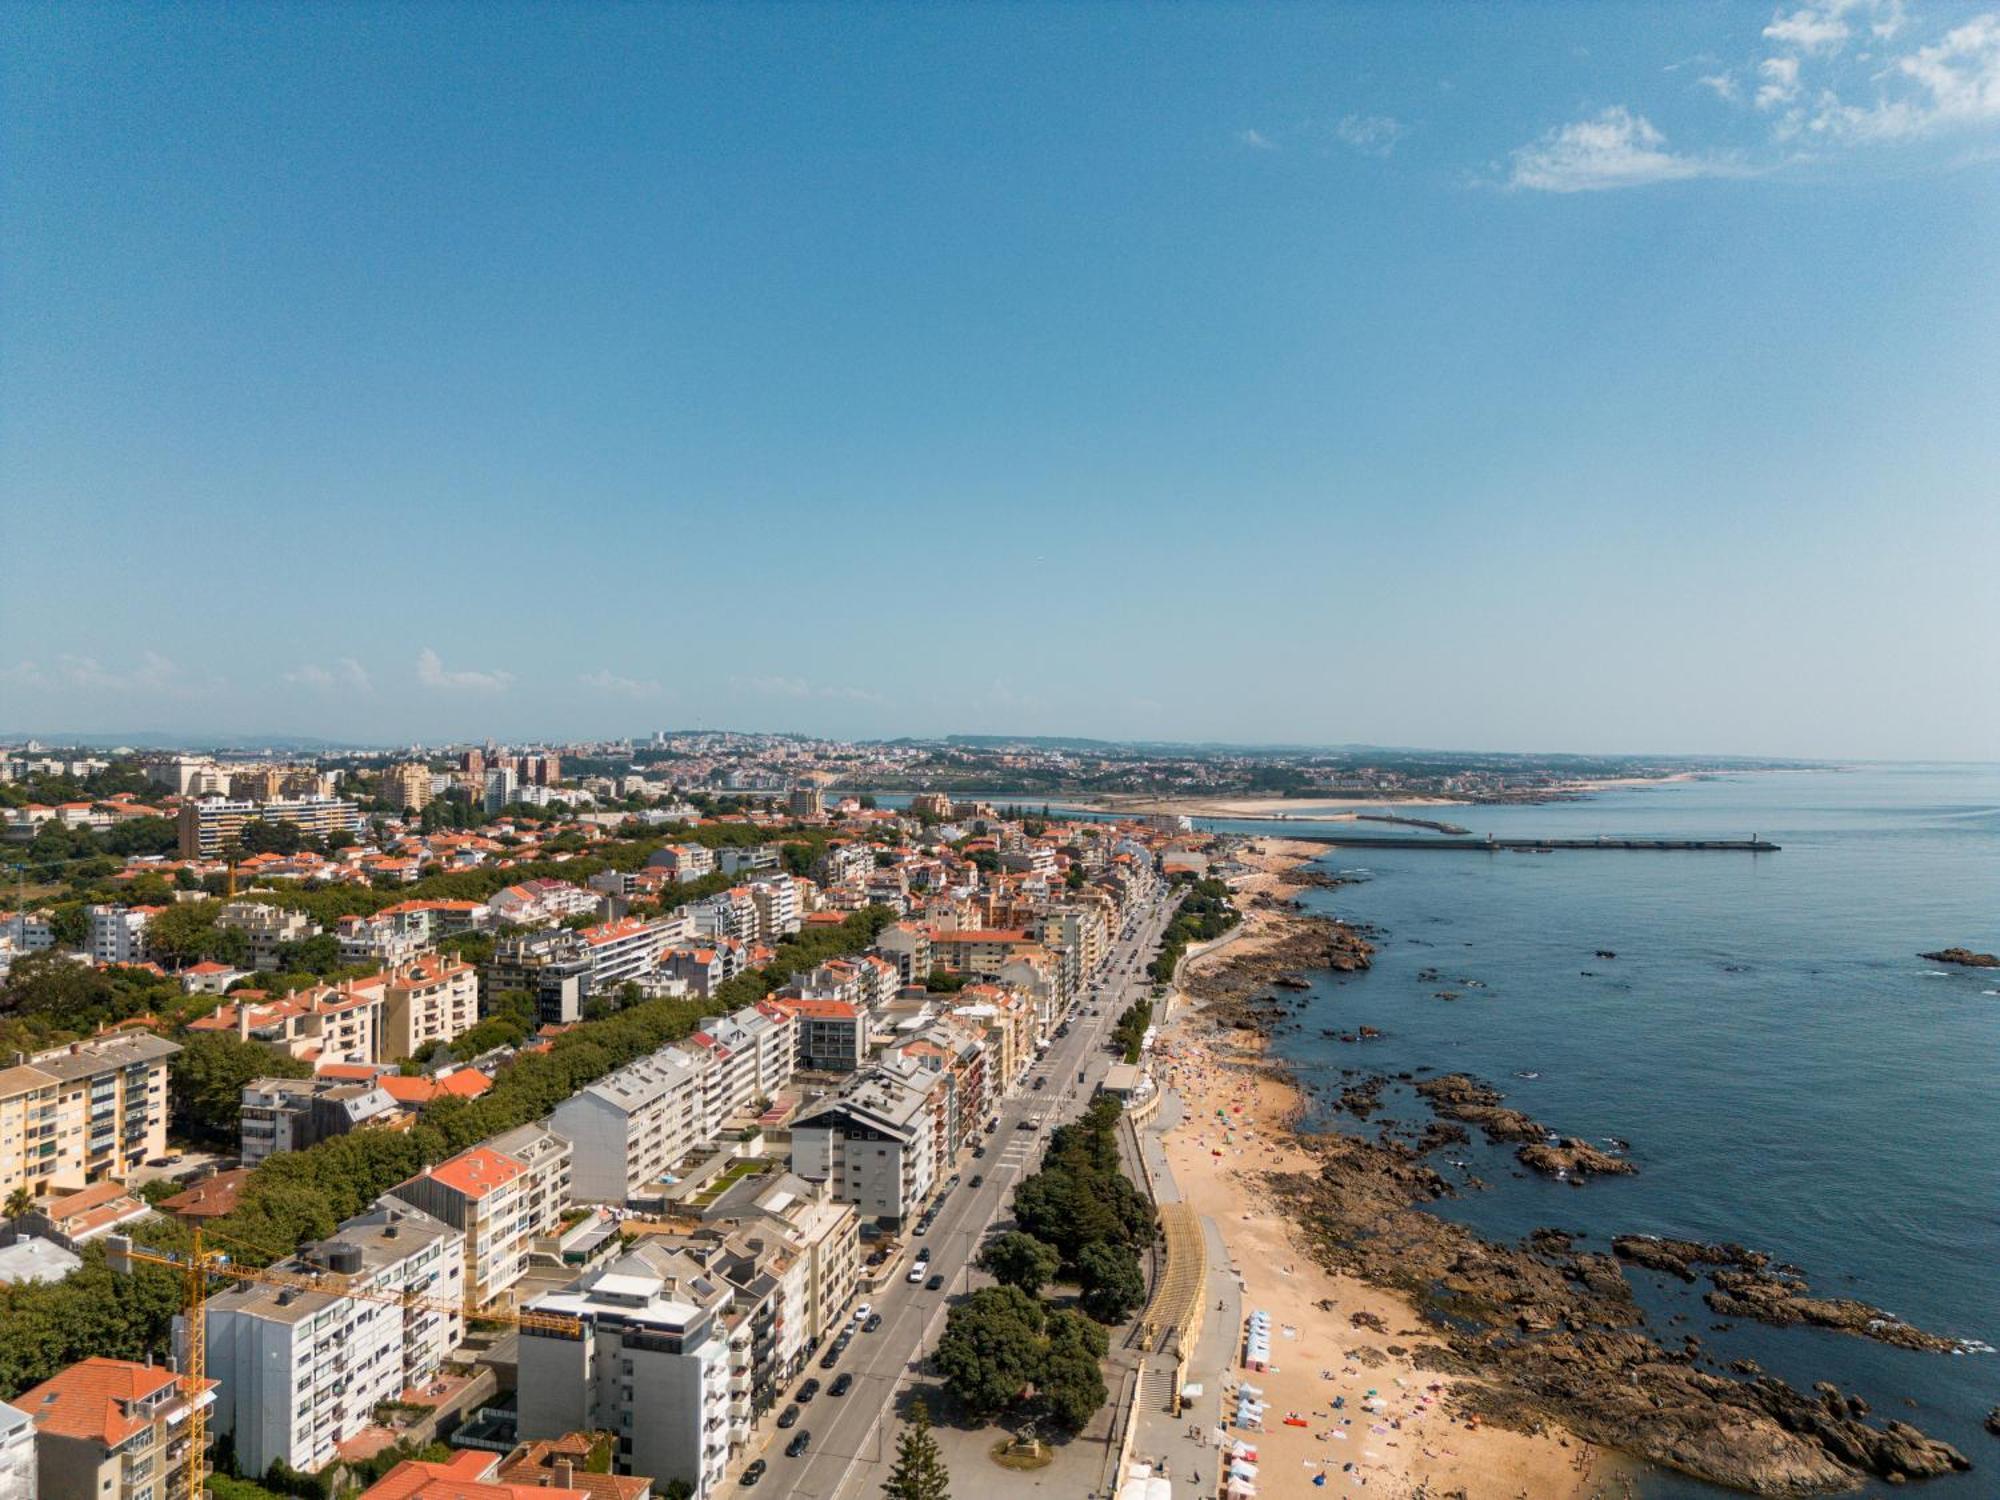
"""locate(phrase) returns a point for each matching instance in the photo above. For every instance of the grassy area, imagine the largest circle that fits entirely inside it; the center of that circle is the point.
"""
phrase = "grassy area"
(731, 1175)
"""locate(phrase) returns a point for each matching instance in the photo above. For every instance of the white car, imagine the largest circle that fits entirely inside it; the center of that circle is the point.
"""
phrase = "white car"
(862, 1310)
(919, 1269)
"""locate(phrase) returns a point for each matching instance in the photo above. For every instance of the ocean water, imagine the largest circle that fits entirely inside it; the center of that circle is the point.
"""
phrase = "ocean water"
(1788, 1072)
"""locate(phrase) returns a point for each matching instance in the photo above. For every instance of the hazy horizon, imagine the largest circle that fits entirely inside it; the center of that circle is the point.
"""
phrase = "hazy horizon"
(1424, 375)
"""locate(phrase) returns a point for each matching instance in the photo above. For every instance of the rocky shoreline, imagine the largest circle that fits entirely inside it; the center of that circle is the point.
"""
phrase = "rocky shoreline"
(1551, 1331)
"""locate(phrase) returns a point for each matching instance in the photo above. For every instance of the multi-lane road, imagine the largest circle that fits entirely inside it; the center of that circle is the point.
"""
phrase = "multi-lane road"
(854, 1436)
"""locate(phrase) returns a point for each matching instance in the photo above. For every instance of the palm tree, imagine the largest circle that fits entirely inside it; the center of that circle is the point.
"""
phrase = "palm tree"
(19, 1202)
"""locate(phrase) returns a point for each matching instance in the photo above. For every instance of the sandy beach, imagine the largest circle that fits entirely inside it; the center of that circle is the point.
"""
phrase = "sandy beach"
(1345, 1355)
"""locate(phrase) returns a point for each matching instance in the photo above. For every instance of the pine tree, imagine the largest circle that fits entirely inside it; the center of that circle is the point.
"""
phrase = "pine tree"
(919, 1473)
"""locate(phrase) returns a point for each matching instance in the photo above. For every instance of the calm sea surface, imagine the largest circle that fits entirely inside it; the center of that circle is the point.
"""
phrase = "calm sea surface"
(1789, 1073)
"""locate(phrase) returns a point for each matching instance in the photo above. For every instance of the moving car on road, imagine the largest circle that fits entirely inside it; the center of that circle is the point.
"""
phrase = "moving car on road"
(842, 1384)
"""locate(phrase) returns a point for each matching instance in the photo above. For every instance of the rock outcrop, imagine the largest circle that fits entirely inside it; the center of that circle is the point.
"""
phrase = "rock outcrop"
(1964, 957)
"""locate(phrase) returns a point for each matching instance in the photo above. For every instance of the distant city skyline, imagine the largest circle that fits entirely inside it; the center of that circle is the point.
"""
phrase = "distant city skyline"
(1539, 379)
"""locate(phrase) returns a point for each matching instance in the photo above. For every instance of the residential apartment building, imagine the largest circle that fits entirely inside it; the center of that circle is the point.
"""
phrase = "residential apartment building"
(652, 1364)
(84, 1112)
(683, 862)
(299, 1372)
(809, 1242)
(327, 1023)
(434, 998)
(501, 1195)
(290, 1114)
(407, 787)
(633, 1125)
(111, 1429)
(755, 1052)
(118, 933)
(875, 1145)
(382, 939)
(832, 1034)
(267, 928)
(210, 825)
(17, 1452)
(907, 945)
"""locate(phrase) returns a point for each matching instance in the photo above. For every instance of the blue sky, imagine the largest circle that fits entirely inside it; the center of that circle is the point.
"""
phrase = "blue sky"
(1537, 377)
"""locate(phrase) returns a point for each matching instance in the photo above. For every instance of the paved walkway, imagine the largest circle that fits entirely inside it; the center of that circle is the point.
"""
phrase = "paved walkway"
(1186, 1441)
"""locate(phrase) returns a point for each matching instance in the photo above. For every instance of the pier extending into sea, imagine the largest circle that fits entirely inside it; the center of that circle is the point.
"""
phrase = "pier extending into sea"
(1492, 845)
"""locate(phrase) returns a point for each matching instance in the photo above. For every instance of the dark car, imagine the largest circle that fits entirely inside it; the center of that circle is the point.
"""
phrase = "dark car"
(978, 1179)
(754, 1473)
(831, 1358)
(799, 1444)
(788, 1416)
(1041, 1083)
(874, 1322)
(934, 1284)
(807, 1391)
(977, 1152)
(842, 1384)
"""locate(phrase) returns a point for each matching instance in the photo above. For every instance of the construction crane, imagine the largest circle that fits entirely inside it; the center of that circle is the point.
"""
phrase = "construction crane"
(201, 1265)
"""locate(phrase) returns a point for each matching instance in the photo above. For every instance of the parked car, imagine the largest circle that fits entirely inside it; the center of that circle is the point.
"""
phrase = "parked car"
(842, 1384)
(831, 1358)
(862, 1310)
(977, 1152)
(754, 1473)
(978, 1179)
(788, 1416)
(807, 1391)
(936, 1283)
(874, 1322)
(799, 1444)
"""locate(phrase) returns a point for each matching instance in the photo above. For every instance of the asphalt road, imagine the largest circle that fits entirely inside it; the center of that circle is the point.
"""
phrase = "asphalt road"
(854, 1436)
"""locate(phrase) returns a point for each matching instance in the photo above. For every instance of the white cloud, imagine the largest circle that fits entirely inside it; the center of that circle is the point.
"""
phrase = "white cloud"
(626, 687)
(798, 687)
(1952, 84)
(1372, 135)
(1615, 149)
(155, 673)
(1723, 85)
(1256, 140)
(1811, 28)
(24, 674)
(344, 673)
(431, 673)
(1780, 81)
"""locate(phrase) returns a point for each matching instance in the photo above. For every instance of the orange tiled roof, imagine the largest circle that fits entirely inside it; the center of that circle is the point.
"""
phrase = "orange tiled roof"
(477, 1172)
(89, 1399)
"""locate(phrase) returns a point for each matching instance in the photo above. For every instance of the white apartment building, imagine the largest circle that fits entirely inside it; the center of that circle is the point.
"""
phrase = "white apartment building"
(84, 1112)
(652, 1365)
(634, 1124)
(118, 933)
(301, 1371)
(501, 1196)
(28, 931)
(755, 1052)
(290, 1114)
(382, 938)
(429, 999)
(624, 949)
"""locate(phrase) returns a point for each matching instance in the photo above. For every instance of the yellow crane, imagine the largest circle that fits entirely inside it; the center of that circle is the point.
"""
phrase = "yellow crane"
(201, 1265)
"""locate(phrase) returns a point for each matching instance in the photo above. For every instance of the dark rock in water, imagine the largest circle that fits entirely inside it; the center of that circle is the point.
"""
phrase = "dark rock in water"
(1605, 953)
(1291, 982)
(1783, 1301)
(1458, 1097)
(1368, 1032)
(1964, 957)
(1447, 995)
(1681, 1257)
(1573, 1158)
(1993, 1421)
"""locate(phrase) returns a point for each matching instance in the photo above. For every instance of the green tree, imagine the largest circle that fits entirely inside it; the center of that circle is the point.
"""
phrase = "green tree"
(1113, 1284)
(206, 1078)
(1021, 1260)
(991, 1349)
(919, 1472)
(19, 1202)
